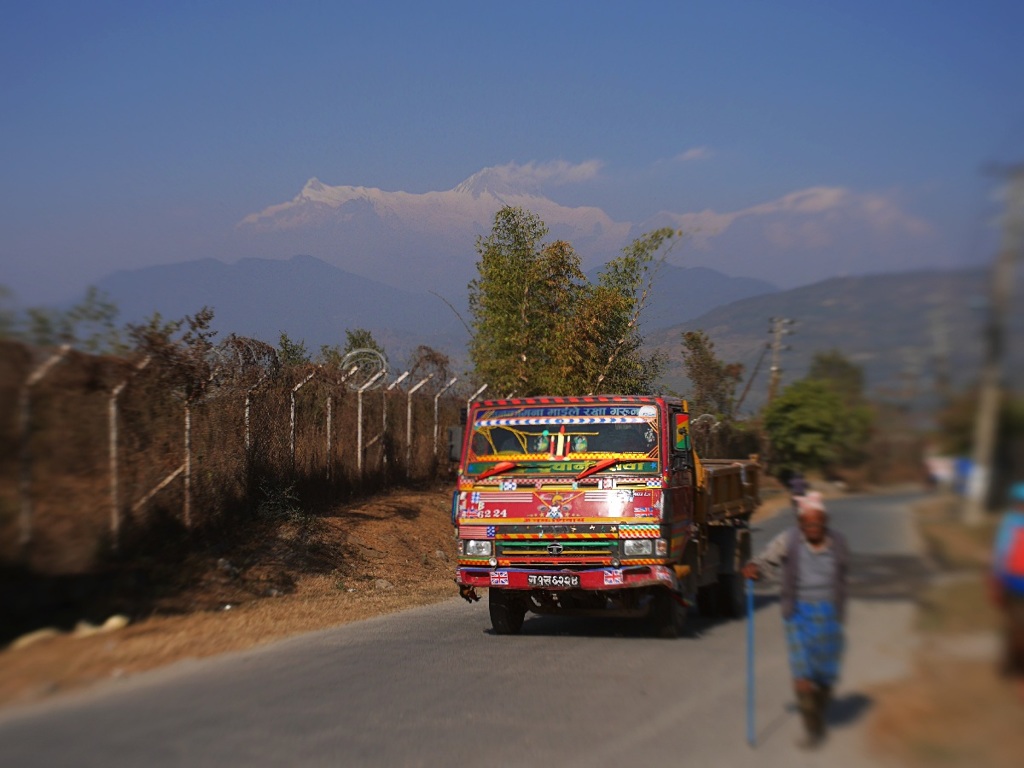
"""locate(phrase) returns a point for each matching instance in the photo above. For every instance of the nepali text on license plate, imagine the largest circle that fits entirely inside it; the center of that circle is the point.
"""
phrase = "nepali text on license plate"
(553, 579)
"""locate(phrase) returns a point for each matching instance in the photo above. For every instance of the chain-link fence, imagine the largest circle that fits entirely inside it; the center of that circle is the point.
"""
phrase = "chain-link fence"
(98, 452)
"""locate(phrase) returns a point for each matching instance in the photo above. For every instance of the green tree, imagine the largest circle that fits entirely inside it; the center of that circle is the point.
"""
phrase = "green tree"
(291, 353)
(330, 356)
(714, 382)
(540, 327)
(809, 426)
(844, 376)
(88, 326)
(360, 338)
(185, 355)
(615, 306)
(93, 323)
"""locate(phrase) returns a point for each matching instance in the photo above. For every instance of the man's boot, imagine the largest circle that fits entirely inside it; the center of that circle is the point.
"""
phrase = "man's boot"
(823, 695)
(807, 701)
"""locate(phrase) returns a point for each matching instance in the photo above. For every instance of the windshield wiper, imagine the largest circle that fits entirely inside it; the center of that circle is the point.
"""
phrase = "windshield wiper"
(597, 467)
(505, 466)
(497, 469)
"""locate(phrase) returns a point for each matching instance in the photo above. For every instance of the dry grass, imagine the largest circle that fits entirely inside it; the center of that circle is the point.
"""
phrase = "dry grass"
(952, 713)
(323, 575)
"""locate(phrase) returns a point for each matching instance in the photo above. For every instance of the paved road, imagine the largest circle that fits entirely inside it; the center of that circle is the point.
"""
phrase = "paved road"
(432, 686)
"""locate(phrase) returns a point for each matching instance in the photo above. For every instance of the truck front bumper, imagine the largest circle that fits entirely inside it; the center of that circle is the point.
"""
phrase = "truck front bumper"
(595, 579)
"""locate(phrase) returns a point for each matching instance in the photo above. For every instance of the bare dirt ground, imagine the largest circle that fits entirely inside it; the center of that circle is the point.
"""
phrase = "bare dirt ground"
(955, 710)
(376, 556)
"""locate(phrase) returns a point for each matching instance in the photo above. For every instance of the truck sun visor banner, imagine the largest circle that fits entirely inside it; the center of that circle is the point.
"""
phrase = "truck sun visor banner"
(623, 414)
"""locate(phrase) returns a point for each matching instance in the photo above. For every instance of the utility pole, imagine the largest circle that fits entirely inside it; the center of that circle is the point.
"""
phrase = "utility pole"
(780, 327)
(987, 420)
(940, 354)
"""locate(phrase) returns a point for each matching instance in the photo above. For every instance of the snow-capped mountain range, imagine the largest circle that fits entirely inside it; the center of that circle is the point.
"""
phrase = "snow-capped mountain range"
(427, 240)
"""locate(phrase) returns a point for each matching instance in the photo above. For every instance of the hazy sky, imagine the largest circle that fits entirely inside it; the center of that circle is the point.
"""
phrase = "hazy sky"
(136, 133)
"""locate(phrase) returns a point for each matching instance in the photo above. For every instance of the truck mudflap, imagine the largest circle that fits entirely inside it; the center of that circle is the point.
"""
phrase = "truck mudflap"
(596, 579)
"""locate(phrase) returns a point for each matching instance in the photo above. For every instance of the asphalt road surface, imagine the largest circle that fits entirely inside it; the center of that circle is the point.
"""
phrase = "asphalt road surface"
(432, 686)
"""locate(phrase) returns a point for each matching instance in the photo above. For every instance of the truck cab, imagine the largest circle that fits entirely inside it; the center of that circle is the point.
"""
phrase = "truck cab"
(597, 505)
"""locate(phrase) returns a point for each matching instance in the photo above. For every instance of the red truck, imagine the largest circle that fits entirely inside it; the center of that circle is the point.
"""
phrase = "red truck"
(598, 505)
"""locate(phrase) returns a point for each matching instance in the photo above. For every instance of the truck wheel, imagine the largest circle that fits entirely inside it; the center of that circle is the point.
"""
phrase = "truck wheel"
(732, 595)
(707, 600)
(667, 618)
(507, 612)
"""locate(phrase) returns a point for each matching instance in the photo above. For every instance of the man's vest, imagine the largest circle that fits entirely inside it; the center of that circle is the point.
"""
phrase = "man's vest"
(791, 575)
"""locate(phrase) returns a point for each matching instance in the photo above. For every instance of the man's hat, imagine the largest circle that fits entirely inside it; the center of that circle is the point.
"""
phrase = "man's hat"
(812, 500)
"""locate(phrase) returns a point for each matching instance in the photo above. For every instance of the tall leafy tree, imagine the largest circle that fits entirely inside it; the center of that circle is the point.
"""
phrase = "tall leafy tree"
(622, 291)
(360, 338)
(514, 300)
(714, 382)
(291, 353)
(540, 327)
(810, 426)
(332, 356)
(844, 376)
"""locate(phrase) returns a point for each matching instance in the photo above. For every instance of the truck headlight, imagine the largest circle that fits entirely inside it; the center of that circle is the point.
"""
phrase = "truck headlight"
(478, 548)
(660, 547)
(637, 547)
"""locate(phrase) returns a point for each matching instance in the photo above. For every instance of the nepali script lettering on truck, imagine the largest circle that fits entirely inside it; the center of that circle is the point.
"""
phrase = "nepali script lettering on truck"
(598, 505)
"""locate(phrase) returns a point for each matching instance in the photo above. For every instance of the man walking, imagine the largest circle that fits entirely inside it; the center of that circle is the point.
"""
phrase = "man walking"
(813, 561)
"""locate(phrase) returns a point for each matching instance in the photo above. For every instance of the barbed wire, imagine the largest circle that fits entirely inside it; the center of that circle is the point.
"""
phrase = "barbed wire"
(369, 363)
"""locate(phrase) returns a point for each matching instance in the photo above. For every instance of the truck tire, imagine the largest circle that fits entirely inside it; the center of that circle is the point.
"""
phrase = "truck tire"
(708, 601)
(732, 595)
(667, 617)
(732, 587)
(507, 611)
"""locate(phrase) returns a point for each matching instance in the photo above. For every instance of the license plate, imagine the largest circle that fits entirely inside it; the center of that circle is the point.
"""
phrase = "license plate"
(553, 579)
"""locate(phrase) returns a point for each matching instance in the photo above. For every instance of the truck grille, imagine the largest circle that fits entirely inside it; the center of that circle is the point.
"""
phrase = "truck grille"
(557, 552)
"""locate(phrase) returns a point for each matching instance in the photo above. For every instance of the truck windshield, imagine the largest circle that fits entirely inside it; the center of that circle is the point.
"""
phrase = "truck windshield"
(562, 439)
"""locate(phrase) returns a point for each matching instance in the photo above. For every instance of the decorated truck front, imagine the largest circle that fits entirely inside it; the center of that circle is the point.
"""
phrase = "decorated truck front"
(578, 505)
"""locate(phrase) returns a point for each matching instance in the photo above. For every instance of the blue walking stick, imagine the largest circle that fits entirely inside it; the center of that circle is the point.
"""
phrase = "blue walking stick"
(751, 737)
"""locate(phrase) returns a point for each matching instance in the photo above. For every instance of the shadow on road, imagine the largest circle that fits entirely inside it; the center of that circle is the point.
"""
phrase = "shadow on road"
(848, 709)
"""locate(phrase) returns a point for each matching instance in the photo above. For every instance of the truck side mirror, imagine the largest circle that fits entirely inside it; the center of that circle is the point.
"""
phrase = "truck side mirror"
(681, 431)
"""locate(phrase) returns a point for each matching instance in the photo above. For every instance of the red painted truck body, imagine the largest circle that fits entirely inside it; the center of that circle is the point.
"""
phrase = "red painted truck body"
(584, 505)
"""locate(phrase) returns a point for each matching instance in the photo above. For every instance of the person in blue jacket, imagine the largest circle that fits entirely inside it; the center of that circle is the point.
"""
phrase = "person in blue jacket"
(1008, 583)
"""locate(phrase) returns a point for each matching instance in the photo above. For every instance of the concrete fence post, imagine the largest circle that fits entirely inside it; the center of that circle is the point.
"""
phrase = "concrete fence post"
(295, 389)
(408, 425)
(437, 397)
(115, 503)
(25, 442)
(359, 419)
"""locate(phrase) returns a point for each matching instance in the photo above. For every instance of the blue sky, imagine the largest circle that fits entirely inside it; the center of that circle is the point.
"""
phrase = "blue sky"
(136, 133)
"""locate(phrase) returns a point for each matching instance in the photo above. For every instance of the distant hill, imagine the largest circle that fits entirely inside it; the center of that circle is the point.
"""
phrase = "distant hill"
(305, 297)
(894, 325)
(900, 327)
(683, 293)
(314, 301)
